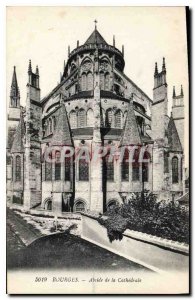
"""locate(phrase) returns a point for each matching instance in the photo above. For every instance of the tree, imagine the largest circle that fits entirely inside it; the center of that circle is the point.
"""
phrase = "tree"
(166, 219)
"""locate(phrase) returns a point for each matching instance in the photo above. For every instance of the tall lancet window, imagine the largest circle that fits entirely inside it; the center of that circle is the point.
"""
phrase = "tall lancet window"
(175, 175)
(84, 82)
(73, 119)
(89, 81)
(181, 168)
(57, 165)
(68, 164)
(81, 118)
(109, 116)
(118, 122)
(18, 168)
(83, 169)
(145, 167)
(135, 166)
(125, 166)
(109, 167)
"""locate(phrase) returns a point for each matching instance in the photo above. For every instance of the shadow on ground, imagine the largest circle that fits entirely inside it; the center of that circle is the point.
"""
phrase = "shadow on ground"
(63, 250)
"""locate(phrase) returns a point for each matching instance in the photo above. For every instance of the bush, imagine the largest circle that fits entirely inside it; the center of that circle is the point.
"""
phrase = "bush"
(146, 214)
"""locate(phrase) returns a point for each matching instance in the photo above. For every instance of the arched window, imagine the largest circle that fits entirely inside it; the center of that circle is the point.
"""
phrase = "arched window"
(68, 165)
(140, 123)
(102, 80)
(79, 206)
(47, 127)
(118, 122)
(81, 118)
(125, 166)
(166, 162)
(181, 168)
(48, 204)
(48, 171)
(175, 175)
(83, 82)
(145, 166)
(57, 165)
(89, 81)
(109, 116)
(83, 169)
(90, 118)
(135, 166)
(18, 168)
(73, 67)
(107, 82)
(111, 204)
(73, 119)
(109, 167)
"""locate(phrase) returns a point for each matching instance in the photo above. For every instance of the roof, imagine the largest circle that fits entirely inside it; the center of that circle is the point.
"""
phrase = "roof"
(131, 134)
(173, 137)
(18, 145)
(62, 134)
(95, 38)
(14, 92)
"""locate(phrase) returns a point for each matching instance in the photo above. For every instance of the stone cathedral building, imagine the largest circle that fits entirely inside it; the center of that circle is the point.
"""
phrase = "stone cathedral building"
(94, 105)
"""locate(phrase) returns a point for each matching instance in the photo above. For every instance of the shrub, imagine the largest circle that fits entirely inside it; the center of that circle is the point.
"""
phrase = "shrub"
(146, 214)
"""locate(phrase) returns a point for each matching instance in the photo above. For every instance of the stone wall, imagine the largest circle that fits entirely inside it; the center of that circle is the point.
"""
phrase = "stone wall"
(155, 253)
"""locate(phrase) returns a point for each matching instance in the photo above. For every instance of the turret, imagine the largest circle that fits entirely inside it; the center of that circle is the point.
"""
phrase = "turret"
(32, 154)
(33, 83)
(178, 113)
(14, 91)
(160, 103)
(160, 77)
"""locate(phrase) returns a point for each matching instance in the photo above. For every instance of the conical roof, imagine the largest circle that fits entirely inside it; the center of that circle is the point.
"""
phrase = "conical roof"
(62, 134)
(95, 38)
(18, 144)
(131, 134)
(14, 92)
(173, 137)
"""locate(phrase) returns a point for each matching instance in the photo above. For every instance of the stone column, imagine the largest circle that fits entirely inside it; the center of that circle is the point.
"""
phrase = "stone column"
(96, 197)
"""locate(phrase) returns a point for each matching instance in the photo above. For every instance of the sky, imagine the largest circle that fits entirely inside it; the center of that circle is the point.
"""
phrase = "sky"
(148, 34)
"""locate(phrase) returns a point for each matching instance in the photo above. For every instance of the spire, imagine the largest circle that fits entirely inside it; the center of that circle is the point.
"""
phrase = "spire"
(174, 94)
(156, 69)
(64, 64)
(114, 40)
(29, 67)
(123, 50)
(37, 70)
(95, 21)
(163, 65)
(14, 91)
(62, 134)
(173, 137)
(77, 43)
(68, 51)
(18, 144)
(181, 91)
(130, 134)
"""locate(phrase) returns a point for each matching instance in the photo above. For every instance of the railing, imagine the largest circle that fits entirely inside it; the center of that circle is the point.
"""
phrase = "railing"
(94, 46)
